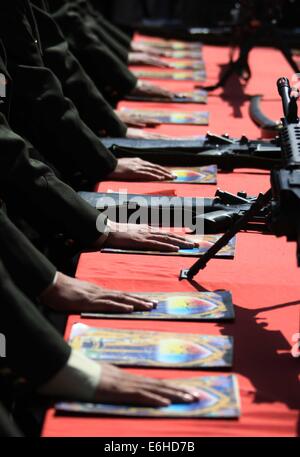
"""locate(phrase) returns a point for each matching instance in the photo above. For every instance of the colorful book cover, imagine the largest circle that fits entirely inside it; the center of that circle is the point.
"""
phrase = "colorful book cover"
(198, 175)
(185, 306)
(170, 44)
(137, 348)
(172, 117)
(218, 399)
(197, 96)
(185, 54)
(187, 64)
(171, 75)
(205, 243)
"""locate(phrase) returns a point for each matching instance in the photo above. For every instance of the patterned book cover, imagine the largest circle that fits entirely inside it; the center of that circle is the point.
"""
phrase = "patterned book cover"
(185, 54)
(152, 349)
(171, 75)
(172, 117)
(172, 44)
(218, 399)
(190, 306)
(186, 64)
(205, 242)
(196, 96)
(197, 175)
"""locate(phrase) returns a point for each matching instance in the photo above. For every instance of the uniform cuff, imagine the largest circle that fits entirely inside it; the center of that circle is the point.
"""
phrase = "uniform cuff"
(77, 380)
(103, 226)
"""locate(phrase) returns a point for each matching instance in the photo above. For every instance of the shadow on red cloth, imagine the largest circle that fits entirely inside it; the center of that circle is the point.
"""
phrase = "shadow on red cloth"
(263, 356)
(233, 92)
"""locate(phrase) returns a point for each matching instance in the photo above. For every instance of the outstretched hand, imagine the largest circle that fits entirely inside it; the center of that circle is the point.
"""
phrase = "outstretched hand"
(155, 51)
(146, 89)
(143, 58)
(139, 170)
(72, 295)
(136, 120)
(142, 135)
(145, 238)
(120, 387)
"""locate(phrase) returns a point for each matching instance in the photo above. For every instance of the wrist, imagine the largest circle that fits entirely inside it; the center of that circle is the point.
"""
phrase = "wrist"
(77, 380)
(102, 240)
(139, 85)
(52, 287)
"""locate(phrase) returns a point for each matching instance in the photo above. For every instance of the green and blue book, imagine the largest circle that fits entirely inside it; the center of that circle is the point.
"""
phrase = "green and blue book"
(177, 75)
(135, 348)
(205, 242)
(183, 306)
(171, 117)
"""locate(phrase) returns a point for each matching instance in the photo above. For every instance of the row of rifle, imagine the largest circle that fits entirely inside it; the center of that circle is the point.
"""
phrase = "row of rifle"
(277, 212)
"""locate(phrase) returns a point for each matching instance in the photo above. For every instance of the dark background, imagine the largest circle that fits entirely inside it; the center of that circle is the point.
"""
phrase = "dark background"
(188, 12)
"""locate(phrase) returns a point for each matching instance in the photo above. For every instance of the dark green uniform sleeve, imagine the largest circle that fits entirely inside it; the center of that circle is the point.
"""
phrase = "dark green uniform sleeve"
(115, 32)
(109, 73)
(34, 350)
(38, 193)
(30, 270)
(40, 112)
(94, 22)
(77, 85)
(8, 429)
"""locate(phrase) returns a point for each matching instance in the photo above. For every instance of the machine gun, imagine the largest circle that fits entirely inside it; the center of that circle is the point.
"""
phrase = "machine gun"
(257, 20)
(221, 150)
(220, 24)
(215, 215)
(226, 208)
(282, 202)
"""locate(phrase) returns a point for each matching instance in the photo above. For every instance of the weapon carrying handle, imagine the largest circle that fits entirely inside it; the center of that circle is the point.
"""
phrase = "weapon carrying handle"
(290, 134)
(289, 103)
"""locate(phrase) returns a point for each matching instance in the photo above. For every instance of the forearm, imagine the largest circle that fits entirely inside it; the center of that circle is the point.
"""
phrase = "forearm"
(116, 81)
(44, 197)
(107, 38)
(117, 34)
(77, 85)
(66, 141)
(30, 270)
(59, 209)
(111, 76)
(77, 380)
(38, 352)
(39, 109)
(68, 213)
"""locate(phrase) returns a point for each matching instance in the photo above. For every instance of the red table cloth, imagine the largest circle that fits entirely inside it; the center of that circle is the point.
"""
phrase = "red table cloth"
(263, 279)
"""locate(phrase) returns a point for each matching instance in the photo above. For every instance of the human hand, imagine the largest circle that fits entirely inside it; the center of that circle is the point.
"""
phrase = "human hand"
(120, 387)
(144, 238)
(72, 295)
(136, 169)
(140, 47)
(146, 89)
(142, 135)
(143, 58)
(136, 120)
